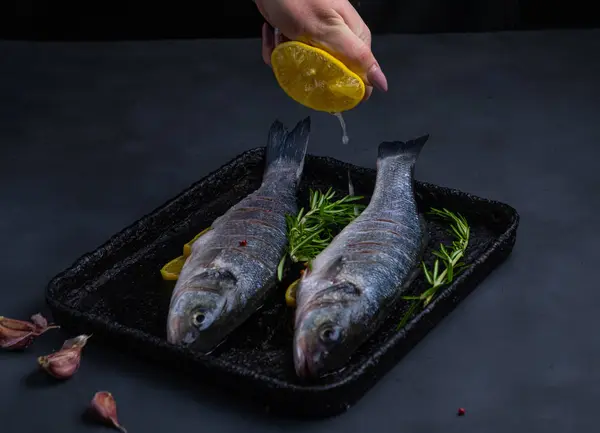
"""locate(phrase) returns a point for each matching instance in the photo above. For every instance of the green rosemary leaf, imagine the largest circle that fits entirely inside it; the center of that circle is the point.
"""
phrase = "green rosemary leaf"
(454, 230)
(440, 255)
(456, 255)
(450, 256)
(428, 299)
(443, 250)
(428, 292)
(411, 311)
(280, 268)
(449, 274)
(436, 268)
(427, 273)
(313, 228)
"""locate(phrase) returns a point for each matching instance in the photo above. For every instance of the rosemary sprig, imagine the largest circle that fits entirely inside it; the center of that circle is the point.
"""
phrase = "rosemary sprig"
(310, 231)
(447, 264)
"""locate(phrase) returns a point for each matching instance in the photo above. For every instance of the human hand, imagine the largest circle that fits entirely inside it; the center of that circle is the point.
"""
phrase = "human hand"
(332, 25)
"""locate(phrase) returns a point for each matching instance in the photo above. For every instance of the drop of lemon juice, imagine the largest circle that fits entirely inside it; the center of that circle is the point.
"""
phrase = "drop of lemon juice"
(345, 138)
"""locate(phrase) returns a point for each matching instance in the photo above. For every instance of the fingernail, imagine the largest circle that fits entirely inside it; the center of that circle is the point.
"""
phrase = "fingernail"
(276, 36)
(377, 79)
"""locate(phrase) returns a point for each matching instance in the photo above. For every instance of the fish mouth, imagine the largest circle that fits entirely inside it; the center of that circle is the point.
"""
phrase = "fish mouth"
(176, 334)
(173, 326)
(189, 337)
(301, 365)
(179, 336)
(306, 366)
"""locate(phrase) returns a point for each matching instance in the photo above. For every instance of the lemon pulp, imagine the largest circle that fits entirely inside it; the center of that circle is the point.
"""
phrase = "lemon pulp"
(315, 78)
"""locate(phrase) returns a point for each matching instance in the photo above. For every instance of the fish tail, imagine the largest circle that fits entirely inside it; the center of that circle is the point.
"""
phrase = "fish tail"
(408, 150)
(351, 192)
(287, 148)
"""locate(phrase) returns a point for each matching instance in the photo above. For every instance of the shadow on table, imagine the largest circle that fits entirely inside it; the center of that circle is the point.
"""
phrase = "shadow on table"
(207, 395)
(40, 379)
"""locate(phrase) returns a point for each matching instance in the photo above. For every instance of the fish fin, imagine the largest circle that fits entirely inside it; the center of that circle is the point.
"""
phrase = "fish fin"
(351, 192)
(288, 147)
(345, 287)
(350, 184)
(218, 277)
(333, 268)
(395, 148)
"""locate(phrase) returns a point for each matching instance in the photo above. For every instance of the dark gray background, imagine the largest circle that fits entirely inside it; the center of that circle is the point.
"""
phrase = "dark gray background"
(94, 135)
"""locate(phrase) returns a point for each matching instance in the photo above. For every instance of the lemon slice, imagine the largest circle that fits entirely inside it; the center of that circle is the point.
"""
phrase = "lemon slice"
(316, 79)
(187, 248)
(290, 294)
(171, 270)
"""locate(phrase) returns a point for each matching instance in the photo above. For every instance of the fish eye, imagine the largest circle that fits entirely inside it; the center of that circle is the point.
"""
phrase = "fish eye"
(198, 318)
(330, 334)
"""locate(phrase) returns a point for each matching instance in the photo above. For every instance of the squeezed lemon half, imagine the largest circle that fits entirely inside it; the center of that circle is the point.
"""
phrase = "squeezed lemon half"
(315, 78)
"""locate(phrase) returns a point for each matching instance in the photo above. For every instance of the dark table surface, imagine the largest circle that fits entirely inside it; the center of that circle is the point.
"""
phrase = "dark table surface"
(94, 135)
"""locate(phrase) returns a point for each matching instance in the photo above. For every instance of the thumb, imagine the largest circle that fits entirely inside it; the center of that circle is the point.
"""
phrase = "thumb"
(356, 54)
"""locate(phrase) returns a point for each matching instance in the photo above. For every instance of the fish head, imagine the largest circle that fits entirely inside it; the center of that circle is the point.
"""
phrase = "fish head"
(328, 329)
(198, 310)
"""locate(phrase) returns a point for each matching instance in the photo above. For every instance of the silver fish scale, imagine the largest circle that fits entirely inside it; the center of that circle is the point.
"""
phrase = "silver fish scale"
(377, 251)
(382, 258)
(377, 257)
(249, 239)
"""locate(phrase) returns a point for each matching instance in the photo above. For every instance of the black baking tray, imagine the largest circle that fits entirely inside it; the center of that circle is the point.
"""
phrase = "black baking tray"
(116, 292)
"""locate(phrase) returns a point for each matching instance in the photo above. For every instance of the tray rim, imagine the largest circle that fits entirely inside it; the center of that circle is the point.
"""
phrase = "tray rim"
(231, 368)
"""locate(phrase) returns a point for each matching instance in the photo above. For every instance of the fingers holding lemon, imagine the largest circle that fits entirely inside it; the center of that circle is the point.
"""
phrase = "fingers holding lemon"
(333, 26)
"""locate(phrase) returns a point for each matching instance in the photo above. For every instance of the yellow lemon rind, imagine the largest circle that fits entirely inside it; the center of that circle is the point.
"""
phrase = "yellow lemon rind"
(187, 248)
(170, 271)
(290, 294)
